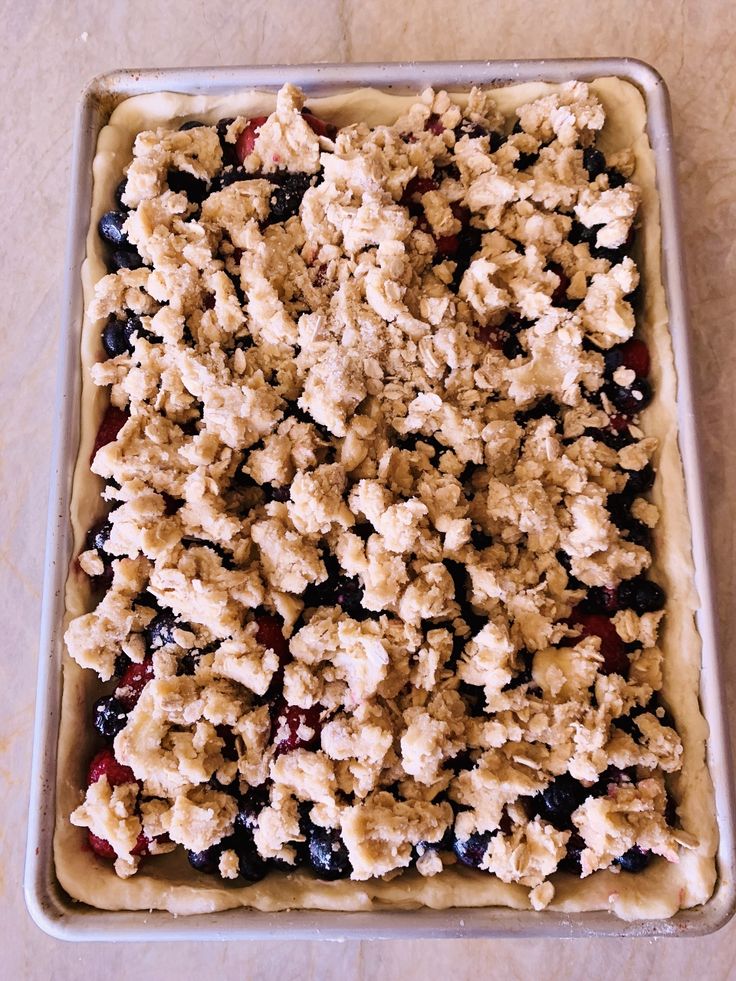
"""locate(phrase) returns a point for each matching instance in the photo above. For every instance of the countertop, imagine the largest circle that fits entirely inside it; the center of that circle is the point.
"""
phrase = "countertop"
(49, 50)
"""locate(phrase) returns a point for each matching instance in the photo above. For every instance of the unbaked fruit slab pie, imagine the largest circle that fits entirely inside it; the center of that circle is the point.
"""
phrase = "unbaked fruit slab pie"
(383, 592)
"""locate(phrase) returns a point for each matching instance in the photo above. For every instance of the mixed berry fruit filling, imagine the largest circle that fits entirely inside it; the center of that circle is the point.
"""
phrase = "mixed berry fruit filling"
(374, 579)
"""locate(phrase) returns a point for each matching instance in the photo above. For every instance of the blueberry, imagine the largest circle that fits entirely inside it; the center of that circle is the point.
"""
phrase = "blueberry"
(614, 256)
(640, 481)
(230, 175)
(524, 677)
(287, 194)
(115, 338)
(191, 124)
(526, 160)
(601, 599)
(571, 861)
(328, 856)
(251, 866)
(180, 181)
(545, 407)
(188, 662)
(612, 359)
(615, 439)
(630, 398)
(619, 508)
(125, 259)
(349, 596)
(98, 537)
(475, 131)
(445, 844)
(616, 178)
(459, 577)
(557, 802)
(206, 861)
(641, 595)
(480, 539)
(249, 807)
(512, 347)
(273, 493)
(110, 227)
(119, 192)
(637, 533)
(580, 233)
(160, 630)
(109, 717)
(594, 162)
(471, 851)
(229, 746)
(628, 725)
(229, 154)
(469, 241)
(337, 590)
(122, 663)
(634, 860)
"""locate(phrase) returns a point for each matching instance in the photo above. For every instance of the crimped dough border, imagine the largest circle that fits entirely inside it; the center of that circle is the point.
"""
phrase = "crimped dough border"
(168, 882)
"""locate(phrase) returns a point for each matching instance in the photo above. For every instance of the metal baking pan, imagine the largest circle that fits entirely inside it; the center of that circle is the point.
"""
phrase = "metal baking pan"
(51, 908)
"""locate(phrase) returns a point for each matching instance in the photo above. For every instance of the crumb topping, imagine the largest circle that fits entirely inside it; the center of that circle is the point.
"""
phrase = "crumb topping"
(367, 397)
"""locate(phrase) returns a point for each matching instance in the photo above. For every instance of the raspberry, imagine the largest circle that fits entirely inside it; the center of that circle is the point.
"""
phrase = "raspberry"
(112, 422)
(559, 295)
(635, 355)
(132, 683)
(289, 725)
(319, 126)
(105, 850)
(104, 764)
(269, 634)
(418, 186)
(247, 139)
(615, 660)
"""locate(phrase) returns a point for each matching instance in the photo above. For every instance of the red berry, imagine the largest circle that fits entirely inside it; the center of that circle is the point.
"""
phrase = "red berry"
(635, 355)
(100, 847)
(619, 422)
(247, 139)
(269, 634)
(434, 125)
(319, 126)
(418, 186)
(559, 296)
(458, 211)
(615, 659)
(105, 850)
(112, 422)
(104, 764)
(493, 336)
(141, 846)
(447, 244)
(610, 599)
(133, 681)
(288, 720)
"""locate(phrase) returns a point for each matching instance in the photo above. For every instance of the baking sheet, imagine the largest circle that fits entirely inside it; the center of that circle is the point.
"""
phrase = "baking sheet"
(50, 907)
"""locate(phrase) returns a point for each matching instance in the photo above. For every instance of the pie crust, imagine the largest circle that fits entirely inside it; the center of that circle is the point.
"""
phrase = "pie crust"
(168, 882)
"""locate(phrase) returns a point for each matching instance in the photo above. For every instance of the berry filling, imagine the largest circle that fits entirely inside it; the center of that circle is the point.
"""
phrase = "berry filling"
(112, 422)
(612, 648)
(134, 680)
(294, 727)
(104, 764)
(473, 601)
(246, 142)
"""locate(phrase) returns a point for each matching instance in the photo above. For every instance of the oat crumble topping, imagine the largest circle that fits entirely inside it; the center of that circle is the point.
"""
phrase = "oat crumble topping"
(377, 498)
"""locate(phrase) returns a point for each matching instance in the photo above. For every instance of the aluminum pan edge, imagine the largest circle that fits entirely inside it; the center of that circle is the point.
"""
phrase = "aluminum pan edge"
(55, 912)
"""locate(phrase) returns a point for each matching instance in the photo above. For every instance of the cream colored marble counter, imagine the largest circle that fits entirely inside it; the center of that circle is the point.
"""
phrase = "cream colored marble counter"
(48, 52)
